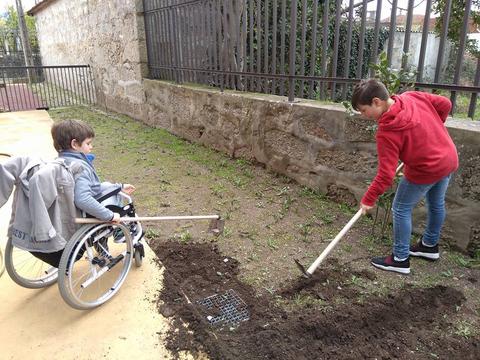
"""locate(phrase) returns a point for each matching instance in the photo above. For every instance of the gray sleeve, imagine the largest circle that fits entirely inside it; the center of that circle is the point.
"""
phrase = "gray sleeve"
(84, 200)
(9, 173)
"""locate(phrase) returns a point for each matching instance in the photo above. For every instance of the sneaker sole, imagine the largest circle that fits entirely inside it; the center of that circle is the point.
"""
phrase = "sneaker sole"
(428, 256)
(135, 238)
(390, 268)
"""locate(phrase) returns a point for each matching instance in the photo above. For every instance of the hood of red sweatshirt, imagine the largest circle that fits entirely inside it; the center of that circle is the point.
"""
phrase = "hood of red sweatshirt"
(400, 116)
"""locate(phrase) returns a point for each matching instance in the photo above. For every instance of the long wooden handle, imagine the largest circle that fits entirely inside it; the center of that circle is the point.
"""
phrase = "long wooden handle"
(147, 218)
(342, 232)
(334, 242)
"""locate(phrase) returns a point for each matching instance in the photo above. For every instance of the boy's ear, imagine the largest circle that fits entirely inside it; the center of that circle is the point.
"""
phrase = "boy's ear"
(74, 144)
(377, 101)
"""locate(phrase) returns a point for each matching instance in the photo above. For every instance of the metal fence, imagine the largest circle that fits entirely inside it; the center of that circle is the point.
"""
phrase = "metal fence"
(316, 49)
(11, 51)
(44, 87)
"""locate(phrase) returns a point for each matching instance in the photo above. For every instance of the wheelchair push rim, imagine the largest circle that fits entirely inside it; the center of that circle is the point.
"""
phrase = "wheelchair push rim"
(94, 266)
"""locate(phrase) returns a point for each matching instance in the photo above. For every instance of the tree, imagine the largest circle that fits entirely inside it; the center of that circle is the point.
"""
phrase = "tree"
(457, 13)
(9, 24)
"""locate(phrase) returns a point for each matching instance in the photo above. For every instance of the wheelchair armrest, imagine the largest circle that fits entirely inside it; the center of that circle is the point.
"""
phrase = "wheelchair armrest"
(109, 194)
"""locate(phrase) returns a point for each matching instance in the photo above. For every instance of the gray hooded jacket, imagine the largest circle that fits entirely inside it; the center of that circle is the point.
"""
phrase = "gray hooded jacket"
(43, 210)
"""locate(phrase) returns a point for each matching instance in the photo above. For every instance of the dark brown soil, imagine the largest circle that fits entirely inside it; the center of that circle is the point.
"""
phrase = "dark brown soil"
(403, 325)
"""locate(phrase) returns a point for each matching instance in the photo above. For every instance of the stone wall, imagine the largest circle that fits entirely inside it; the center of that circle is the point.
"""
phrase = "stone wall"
(108, 35)
(317, 145)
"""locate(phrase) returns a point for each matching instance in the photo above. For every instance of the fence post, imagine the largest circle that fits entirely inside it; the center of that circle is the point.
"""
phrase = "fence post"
(6, 90)
(293, 40)
(473, 98)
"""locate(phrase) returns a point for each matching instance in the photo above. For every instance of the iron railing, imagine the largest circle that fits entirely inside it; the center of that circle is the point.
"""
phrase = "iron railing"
(315, 49)
(44, 87)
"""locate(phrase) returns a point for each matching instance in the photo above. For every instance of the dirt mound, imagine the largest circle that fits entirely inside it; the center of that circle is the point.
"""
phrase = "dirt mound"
(410, 324)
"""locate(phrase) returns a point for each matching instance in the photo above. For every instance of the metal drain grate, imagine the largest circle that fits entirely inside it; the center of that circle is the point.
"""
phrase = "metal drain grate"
(226, 308)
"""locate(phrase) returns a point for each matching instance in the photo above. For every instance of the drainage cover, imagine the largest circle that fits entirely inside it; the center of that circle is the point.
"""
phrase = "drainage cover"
(227, 308)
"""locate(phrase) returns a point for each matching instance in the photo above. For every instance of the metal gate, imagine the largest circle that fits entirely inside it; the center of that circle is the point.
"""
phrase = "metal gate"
(45, 87)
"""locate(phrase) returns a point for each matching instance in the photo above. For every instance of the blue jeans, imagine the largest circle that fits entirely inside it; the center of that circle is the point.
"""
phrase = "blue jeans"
(407, 196)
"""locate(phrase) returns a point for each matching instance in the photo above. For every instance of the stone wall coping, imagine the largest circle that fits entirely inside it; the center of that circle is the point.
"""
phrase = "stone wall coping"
(463, 124)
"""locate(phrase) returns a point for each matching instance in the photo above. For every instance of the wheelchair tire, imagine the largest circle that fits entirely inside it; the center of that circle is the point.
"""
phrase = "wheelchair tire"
(91, 257)
(2, 263)
(26, 270)
(138, 258)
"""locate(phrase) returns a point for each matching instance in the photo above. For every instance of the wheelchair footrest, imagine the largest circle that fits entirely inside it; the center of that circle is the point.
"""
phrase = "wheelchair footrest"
(115, 261)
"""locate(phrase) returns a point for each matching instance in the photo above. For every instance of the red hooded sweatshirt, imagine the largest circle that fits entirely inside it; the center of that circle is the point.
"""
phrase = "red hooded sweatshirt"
(413, 130)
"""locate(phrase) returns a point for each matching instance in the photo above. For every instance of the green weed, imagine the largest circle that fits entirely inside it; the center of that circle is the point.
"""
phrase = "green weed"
(459, 259)
(185, 236)
(272, 243)
(227, 232)
(464, 329)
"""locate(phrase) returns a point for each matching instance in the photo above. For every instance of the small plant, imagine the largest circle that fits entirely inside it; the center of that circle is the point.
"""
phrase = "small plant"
(185, 236)
(272, 243)
(305, 191)
(283, 191)
(460, 260)
(355, 280)
(218, 190)
(227, 232)
(238, 182)
(464, 329)
(152, 233)
(305, 229)
(286, 204)
(326, 217)
(447, 273)
(252, 257)
(348, 107)
(348, 248)
(302, 301)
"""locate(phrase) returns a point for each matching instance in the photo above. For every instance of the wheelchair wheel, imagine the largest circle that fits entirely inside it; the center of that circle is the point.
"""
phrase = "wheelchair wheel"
(93, 266)
(26, 270)
(2, 263)
(138, 257)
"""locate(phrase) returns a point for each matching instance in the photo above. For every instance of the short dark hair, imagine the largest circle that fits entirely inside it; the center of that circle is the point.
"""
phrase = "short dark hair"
(366, 90)
(65, 131)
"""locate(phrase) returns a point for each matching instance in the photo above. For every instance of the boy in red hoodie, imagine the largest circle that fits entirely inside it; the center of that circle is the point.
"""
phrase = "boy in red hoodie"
(410, 129)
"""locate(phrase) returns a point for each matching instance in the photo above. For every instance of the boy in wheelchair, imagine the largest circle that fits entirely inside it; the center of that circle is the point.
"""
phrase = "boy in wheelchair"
(102, 200)
(89, 262)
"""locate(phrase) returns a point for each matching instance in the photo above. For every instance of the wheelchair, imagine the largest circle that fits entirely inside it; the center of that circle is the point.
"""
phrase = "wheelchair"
(93, 265)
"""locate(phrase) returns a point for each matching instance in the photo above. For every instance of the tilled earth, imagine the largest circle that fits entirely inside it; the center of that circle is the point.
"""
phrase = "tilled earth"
(403, 325)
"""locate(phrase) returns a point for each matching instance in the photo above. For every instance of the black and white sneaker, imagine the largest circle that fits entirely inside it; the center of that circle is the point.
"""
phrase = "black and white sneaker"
(425, 252)
(390, 264)
(135, 231)
(118, 236)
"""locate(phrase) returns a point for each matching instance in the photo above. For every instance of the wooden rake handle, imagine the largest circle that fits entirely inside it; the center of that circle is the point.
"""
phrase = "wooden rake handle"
(342, 232)
(148, 218)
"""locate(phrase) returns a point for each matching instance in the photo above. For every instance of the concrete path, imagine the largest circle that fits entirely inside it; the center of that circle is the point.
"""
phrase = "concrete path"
(37, 324)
